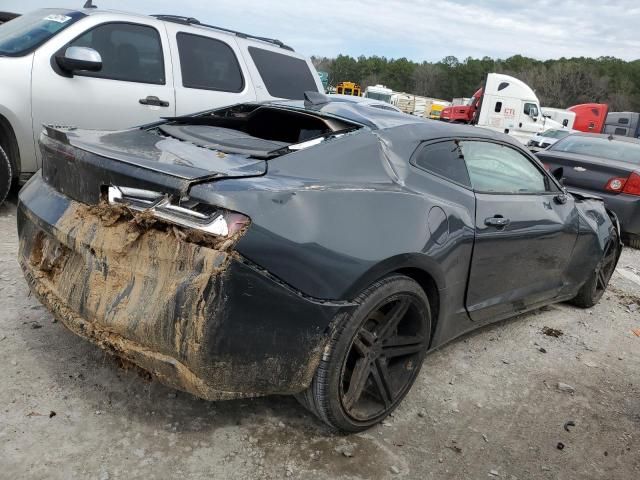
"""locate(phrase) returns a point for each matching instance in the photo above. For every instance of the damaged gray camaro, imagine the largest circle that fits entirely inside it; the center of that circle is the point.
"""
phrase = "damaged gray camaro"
(316, 248)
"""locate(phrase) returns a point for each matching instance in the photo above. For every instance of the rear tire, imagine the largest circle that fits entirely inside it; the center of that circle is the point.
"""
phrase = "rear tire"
(595, 286)
(6, 175)
(373, 358)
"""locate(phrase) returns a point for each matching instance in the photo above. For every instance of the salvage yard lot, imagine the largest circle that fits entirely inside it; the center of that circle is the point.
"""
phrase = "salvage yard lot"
(486, 406)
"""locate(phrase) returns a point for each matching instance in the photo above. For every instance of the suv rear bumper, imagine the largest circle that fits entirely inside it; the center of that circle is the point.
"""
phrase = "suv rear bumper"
(199, 319)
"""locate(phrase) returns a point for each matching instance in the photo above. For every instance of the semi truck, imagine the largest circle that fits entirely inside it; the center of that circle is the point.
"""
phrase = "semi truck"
(378, 92)
(564, 117)
(590, 117)
(504, 104)
(462, 113)
(625, 124)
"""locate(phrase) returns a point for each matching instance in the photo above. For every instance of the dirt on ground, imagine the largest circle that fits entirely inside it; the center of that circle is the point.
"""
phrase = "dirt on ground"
(554, 394)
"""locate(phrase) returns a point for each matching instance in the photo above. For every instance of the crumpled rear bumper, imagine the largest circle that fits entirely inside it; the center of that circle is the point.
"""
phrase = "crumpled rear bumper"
(197, 316)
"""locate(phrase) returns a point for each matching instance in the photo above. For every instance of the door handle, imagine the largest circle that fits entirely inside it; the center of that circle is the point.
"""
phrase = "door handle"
(155, 101)
(498, 222)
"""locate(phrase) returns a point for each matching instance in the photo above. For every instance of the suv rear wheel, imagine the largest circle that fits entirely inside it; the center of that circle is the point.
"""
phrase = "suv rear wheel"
(373, 357)
(6, 175)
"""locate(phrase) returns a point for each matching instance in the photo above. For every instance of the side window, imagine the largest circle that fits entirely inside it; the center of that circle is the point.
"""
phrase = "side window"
(445, 160)
(498, 107)
(283, 75)
(623, 121)
(132, 53)
(531, 109)
(497, 168)
(208, 64)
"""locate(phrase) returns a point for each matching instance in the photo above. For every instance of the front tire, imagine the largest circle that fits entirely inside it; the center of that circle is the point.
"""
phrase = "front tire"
(595, 286)
(6, 175)
(373, 357)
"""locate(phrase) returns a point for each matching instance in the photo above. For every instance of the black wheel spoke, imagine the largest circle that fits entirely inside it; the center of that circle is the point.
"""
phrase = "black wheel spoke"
(602, 280)
(401, 350)
(359, 378)
(393, 317)
(359, 345)
(380, 375)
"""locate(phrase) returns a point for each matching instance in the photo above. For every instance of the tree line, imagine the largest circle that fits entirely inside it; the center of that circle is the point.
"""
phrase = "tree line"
(558, 83)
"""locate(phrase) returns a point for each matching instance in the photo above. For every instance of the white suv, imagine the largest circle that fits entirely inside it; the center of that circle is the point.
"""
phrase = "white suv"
(112, 70)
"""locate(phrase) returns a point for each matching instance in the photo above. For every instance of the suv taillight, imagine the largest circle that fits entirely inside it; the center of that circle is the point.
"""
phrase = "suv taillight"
(632, 185)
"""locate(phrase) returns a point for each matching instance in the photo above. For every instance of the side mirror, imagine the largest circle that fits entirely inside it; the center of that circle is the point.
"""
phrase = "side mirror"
(80, 58)
(558, 174)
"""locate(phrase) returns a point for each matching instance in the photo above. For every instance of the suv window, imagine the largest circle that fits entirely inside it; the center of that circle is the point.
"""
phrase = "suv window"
(445, 160)
(495, 168)
(130, 52)
(283, 75)
(208, 64)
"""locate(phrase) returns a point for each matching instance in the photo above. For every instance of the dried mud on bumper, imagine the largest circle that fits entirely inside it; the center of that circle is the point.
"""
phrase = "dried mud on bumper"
(139, 288)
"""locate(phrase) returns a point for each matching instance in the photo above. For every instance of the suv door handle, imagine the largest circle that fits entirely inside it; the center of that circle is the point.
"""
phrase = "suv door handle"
(497, 221)
(155, 101)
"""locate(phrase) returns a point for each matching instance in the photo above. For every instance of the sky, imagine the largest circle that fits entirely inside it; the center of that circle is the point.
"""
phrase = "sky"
(418, 30)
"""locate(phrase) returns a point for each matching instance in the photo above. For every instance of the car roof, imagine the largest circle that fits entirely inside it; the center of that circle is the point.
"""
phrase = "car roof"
(618, 138)
(187, 22)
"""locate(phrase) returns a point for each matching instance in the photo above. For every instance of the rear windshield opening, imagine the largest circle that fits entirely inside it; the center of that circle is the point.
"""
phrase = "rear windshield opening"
(256, 130)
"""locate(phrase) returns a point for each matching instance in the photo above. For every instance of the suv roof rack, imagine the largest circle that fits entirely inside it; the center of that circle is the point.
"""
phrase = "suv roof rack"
(195, 21)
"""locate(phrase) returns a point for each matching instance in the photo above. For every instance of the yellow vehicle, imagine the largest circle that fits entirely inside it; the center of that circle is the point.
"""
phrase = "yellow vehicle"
(348, 88)
(436, 110)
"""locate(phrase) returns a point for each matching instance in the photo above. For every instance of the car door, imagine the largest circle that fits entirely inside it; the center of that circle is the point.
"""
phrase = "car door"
(134, 86)
(210, 72)
(525, 231)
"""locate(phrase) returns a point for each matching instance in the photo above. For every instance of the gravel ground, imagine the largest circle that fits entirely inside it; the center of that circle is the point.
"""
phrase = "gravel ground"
(486, 406)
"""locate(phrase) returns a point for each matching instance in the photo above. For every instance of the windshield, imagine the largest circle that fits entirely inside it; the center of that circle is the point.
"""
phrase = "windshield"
(555, 133)
(599, 147)
(26, 33)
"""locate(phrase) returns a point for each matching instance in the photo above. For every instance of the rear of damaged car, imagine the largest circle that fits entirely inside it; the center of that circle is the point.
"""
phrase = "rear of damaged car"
(298, 249)
(135, 240)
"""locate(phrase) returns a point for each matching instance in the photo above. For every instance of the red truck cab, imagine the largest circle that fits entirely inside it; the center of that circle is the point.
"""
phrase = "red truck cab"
(462, 113)
(590, 117)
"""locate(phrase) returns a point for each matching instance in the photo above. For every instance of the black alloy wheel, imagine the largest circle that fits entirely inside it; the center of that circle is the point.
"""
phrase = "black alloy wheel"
(595, 286)
(376, 353)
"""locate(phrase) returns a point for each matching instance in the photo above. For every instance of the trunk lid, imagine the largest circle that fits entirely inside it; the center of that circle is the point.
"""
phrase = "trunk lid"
(81, 163)
(590, 173)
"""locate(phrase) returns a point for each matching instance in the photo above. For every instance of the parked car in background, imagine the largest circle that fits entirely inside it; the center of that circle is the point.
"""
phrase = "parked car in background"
(110, 70)
(545, 139)
(603, 165)
(322, 258)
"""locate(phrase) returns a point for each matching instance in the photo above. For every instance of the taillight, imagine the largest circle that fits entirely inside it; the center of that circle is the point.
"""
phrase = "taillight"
(632, 185)
(615, 184)
(629, 185)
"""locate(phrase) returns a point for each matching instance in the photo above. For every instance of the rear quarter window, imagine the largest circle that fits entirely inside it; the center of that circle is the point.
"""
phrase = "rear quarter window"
(284, 76)
(445, 160)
